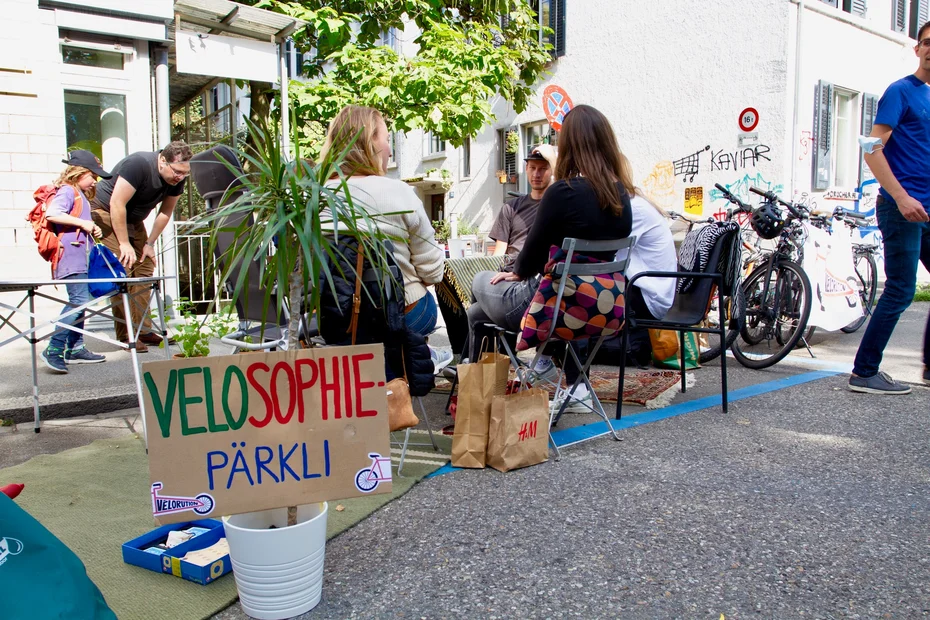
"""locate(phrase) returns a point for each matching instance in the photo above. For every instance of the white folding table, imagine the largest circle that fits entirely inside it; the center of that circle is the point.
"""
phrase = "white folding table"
(30, 290)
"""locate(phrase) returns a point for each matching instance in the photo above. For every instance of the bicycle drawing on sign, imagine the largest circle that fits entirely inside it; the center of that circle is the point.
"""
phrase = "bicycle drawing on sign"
(163, 504)
(368, 479)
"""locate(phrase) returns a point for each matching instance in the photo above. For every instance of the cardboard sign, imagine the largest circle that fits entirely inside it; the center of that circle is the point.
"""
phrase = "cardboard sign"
(241, 433)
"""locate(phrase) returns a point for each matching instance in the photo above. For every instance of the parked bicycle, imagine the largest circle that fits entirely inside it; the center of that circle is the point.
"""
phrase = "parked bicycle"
(733, 304)
(777, 291)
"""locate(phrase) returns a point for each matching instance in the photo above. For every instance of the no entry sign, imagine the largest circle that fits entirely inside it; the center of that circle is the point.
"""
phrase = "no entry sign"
(748, 119)
(556, 104)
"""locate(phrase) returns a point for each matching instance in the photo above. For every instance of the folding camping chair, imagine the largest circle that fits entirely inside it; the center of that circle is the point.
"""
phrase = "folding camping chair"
(562, 271)
(260, 328)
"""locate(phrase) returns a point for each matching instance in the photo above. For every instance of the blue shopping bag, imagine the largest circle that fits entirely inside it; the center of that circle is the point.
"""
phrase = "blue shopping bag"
(102, 264)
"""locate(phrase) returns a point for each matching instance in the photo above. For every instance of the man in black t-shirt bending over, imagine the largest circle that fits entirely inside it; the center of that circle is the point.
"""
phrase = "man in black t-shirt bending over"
(139, 184)
(517, 216)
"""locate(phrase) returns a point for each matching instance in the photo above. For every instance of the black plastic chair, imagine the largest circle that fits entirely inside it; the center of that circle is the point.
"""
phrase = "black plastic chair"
(688, 309)
(266, 326)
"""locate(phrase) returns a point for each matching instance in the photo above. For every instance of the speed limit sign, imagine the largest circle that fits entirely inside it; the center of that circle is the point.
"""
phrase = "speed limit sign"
(748, 119)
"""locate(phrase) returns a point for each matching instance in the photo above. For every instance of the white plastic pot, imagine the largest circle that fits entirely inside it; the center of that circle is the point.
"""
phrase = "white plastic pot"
(279, 572)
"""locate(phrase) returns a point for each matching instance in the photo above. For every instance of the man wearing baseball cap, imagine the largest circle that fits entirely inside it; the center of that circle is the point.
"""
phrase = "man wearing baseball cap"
(516, 217)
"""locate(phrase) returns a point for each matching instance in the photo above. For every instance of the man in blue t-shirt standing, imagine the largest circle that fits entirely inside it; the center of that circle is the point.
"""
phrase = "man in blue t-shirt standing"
(901, 163)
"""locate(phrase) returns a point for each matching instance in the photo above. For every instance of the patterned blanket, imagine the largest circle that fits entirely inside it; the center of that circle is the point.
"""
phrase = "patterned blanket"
(455, 288)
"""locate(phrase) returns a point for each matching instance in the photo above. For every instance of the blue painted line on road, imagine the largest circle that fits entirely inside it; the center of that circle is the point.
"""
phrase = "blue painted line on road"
(578, 434)
(805, 360)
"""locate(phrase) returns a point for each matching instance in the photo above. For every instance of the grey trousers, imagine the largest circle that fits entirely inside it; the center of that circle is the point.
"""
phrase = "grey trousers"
(503, 304)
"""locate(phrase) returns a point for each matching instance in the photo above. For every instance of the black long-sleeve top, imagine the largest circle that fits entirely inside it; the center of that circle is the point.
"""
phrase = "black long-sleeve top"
(571, 209)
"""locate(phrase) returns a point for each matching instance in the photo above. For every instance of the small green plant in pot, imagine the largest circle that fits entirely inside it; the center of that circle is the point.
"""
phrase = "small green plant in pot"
(192, 334)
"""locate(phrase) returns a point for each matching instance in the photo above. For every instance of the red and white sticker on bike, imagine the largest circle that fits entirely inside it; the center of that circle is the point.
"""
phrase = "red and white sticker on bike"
(240, 433)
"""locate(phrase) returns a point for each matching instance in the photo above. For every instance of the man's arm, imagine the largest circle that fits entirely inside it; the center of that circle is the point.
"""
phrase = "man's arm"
(500, 247)
(909, 207)
(161, 220)
(500, 232)
(122, 194)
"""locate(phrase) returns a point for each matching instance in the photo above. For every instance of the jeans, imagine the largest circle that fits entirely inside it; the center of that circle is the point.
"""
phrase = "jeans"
(78, 295)
(421, 317)
(906, 243)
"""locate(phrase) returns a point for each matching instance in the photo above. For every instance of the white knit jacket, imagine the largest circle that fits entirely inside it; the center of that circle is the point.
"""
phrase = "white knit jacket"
(417, 254)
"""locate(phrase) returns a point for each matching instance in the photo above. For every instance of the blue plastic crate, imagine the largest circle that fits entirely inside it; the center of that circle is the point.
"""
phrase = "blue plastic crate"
(169, 560)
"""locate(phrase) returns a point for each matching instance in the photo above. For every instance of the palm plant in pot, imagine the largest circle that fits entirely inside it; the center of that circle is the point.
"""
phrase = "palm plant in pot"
(294, 217)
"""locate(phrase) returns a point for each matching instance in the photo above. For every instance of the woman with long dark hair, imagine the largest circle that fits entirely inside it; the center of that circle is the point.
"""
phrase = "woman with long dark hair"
(589, 201)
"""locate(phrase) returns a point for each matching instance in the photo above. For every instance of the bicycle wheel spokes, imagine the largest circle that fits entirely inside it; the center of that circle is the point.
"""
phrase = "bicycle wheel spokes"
(776, 315)
(866, 276)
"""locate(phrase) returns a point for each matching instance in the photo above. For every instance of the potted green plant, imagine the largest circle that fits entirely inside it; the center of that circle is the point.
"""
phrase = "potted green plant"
(513, 141)
(300, 213)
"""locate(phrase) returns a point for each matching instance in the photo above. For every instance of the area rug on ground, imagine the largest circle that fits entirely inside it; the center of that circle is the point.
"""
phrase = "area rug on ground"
(651, 389)
(96, 497)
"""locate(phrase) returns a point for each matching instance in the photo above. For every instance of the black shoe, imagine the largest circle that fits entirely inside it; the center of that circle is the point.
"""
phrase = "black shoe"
(153, 339)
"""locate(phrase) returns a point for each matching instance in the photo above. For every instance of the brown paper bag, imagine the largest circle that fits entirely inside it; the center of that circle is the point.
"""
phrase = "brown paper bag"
(518, 435)
(400, 405)
(478, 384)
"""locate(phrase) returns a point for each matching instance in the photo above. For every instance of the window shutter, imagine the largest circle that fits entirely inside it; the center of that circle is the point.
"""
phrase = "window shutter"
(920, 15)
(869, 107)
(557, 23)
(899, 15)
(823, 140)
(856, 7)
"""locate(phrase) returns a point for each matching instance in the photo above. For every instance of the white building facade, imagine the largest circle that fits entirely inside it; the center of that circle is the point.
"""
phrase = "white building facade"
(675, 77)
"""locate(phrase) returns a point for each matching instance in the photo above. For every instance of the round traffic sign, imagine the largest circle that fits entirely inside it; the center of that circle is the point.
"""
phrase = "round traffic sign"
(556, 104)
(748, 119)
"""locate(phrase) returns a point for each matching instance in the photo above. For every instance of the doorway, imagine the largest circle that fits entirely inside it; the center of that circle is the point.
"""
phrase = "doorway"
(437, 205)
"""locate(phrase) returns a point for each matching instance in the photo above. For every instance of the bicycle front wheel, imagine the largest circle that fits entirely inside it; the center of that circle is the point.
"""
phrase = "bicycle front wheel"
(777, 310)
(867, 276)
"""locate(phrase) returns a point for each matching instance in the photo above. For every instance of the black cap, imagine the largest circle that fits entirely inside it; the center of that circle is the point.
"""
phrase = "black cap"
(86, 159)
(535, 155)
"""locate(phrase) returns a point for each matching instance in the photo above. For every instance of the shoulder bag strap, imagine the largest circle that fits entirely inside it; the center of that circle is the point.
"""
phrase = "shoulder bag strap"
(357, 297)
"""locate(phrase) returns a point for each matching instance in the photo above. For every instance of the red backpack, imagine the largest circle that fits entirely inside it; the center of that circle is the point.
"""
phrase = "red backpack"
(50, 245)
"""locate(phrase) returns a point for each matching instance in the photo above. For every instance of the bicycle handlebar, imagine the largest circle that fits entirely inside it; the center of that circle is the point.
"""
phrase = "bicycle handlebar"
(733, 199)
(773, 197)
(845, 214)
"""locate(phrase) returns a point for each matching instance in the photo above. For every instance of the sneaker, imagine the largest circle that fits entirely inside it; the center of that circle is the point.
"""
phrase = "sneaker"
(882, 383)
(441, 358)
(581, 402)
(54, 360)
(83, 356)
(545, 370)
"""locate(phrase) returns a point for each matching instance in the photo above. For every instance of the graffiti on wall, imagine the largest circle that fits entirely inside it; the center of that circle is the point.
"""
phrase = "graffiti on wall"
(740, 159)
(740, 188)
(807, 143)
(690, 165)
(659, 186)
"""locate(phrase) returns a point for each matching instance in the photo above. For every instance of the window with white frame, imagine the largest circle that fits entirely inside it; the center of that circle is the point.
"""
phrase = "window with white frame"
(392, 141)
(840, 116)
(466, 158)
(845, 130)
(435, 144)
(551, 14)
